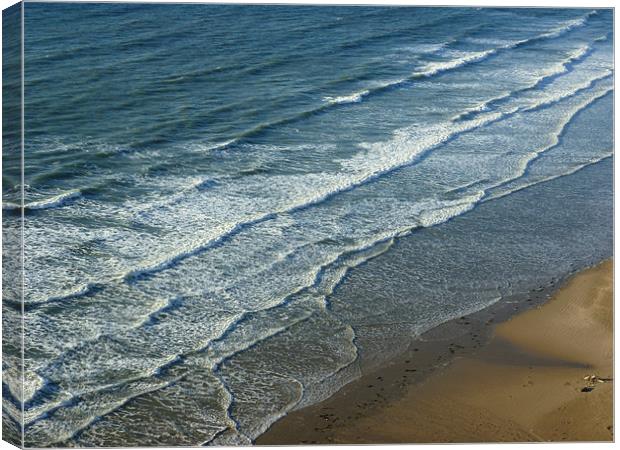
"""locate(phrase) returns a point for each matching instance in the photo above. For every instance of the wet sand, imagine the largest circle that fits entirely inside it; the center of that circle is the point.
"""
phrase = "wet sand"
(471, 380)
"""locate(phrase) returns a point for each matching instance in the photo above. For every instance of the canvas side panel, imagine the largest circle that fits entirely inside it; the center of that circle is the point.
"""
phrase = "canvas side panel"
(12, 237)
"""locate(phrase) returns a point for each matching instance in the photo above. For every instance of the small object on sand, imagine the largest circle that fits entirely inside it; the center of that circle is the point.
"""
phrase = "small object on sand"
(593, 379)
(587, 389)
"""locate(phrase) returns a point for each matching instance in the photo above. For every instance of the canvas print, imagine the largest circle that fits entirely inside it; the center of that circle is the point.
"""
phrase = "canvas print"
(298, 224)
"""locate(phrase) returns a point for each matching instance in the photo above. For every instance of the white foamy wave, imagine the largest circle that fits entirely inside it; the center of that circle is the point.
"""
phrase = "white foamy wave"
(558, 31)
(573, 57)
(558, 69)
(579, 53)
(602, 38)
(365, 167)
(442, 211)
(221, 145)
(489, 41)
(438, 67)
(569, 25)
(190, 249)
(206, 147)
(78, 291)
(202, 184)
(550, 178)
(54, 202)
(480, 107)
(9, 206)
(418, 49)
(530, 157)
(555, 97)
(356, 97)
(407, 146)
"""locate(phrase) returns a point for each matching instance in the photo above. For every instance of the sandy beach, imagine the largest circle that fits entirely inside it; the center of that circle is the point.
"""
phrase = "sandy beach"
(491, 377)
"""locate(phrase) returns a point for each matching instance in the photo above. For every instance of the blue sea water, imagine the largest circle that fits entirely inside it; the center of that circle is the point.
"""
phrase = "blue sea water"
(231, 211)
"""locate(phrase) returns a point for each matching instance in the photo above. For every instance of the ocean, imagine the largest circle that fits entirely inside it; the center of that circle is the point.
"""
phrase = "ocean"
(232, 211)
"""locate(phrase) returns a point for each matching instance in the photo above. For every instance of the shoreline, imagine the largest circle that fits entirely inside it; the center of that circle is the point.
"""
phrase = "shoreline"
(513, 372)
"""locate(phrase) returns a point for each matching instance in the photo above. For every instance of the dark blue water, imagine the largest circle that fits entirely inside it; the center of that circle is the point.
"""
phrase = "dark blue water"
(231, 211)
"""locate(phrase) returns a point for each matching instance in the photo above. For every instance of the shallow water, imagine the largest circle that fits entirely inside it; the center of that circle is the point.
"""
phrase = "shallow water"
(231, 210)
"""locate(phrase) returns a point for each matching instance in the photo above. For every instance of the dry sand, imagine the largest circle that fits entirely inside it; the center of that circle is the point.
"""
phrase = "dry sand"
(526, 383)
